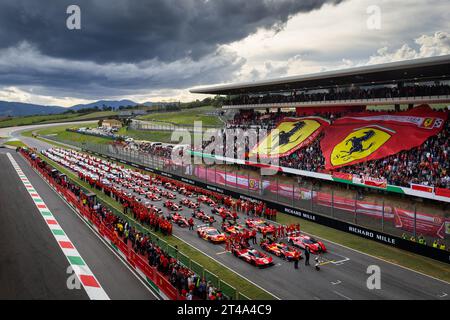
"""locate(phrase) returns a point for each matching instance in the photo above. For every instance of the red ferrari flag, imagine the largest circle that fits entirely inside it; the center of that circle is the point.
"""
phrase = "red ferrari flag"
(368, 136)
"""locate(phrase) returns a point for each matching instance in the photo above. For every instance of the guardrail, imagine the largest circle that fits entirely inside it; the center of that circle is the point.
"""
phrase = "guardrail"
(376, 101)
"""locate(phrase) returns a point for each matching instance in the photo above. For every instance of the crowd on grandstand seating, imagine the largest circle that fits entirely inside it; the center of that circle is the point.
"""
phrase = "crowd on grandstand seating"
(427, 164)
(344, 94)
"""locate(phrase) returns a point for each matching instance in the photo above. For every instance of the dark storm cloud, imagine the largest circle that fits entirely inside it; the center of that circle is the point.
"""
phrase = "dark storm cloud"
(24, 66)
(133, 31)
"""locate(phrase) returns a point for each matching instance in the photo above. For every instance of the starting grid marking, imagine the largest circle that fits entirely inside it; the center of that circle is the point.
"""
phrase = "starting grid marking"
(93, 288)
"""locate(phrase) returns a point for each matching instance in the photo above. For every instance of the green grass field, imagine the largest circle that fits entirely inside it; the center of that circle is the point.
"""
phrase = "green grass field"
(15, 143)
(60, 134)
(23, 121)
(186, 117)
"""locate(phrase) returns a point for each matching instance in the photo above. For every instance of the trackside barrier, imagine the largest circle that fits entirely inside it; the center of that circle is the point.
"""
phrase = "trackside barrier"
(209, 276)
(227, 289)
(149, 273)
(197, 268)
(184, 259)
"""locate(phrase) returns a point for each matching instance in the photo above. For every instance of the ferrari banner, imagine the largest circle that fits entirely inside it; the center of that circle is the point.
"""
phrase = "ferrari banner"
(342, 176)
(375, 182)
(425, 224)
(369, 136)
(290, 135)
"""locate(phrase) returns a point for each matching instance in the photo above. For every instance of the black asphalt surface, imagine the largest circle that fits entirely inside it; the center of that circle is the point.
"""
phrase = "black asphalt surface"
(343, 278)
(32, 265)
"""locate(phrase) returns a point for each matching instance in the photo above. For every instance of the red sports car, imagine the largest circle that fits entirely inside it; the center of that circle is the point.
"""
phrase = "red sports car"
(211, 234)
(206, 200)
(168, 195)
(188, 203)
(202, 198)
(155, 189)
(233, 228)
(203, 216)
(172, 206)
(304, 241)
(152, 196)
(140, 190)
(221, 210)
(170, 186)
(252, 256)
(281, 250)
(179, 219)
(260, 225)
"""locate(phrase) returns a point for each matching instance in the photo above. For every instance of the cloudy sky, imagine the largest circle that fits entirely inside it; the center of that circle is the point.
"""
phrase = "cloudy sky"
(156, 50)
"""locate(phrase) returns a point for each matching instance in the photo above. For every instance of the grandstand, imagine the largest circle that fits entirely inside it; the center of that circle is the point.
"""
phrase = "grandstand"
(409, 82)
(335, 94)
(404, 150)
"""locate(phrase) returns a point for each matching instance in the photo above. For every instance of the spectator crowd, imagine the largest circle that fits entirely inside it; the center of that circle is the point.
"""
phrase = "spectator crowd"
(344, 94)
(427, 164)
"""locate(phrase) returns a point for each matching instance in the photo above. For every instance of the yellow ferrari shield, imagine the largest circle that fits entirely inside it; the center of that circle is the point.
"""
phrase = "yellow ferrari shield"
(358, 145)
(285, 137)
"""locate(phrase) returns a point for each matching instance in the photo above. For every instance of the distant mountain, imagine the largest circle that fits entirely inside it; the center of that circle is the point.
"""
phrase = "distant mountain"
(104, 103)
(18, 109)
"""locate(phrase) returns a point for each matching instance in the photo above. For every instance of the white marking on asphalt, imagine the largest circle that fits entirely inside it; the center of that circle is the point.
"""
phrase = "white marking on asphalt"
(133, 272)
(341, 295)
(227, 267)
(340, 262)
(378, 258)
(222, 252)
(443, 295)
(336, 282)
(81, 269)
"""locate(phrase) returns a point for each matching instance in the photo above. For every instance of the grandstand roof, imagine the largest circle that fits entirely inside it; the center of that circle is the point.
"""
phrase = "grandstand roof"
(432, 68)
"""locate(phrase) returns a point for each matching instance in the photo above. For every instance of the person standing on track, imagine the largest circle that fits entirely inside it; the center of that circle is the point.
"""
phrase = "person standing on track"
(191, 223)
(253, 236)
(307, 254)
(296, 259)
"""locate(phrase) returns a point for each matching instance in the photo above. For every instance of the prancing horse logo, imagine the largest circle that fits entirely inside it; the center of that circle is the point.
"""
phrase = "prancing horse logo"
(359, 144)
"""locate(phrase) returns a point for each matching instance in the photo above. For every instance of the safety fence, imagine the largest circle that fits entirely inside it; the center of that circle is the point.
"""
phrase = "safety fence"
(166, 126)
(158, 281)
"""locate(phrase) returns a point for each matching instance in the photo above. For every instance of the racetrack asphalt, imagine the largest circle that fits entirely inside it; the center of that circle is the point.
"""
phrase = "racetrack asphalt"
(32, 266)
(344, 279)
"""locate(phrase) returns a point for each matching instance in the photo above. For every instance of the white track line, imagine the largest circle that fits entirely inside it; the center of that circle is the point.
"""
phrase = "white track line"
(104, 242)
(341, 295)
(84, 274)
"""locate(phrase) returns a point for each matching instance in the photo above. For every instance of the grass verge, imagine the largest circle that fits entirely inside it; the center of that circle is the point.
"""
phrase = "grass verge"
(186, 117)
(15, 143)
